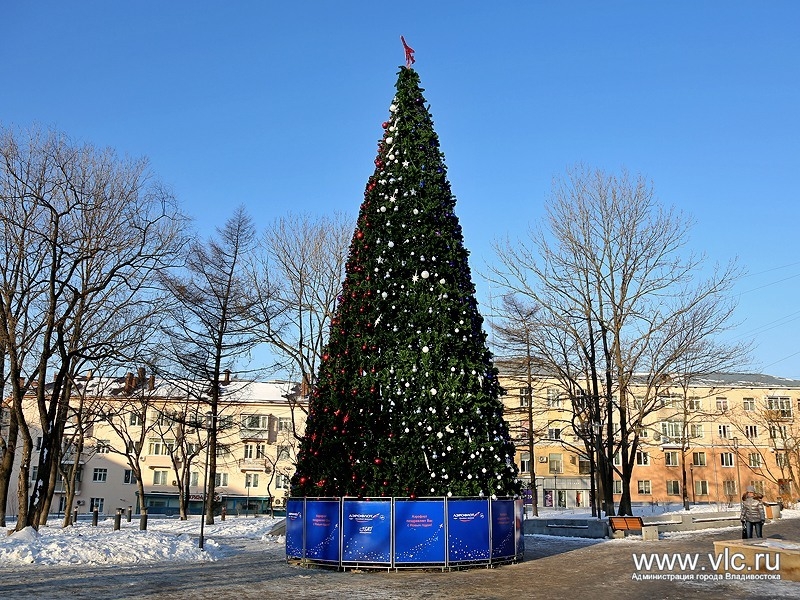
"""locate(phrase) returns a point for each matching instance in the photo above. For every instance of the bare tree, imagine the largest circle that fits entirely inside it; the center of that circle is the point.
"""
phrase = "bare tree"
(84, 233)
(514, 333)
(212, 323)
(297, 279)
(616, 296)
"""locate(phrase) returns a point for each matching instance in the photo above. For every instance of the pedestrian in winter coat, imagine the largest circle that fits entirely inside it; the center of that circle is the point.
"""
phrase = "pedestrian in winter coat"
(753, 513)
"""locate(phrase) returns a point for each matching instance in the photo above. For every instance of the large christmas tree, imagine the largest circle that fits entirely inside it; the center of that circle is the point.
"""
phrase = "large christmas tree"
(407, 398)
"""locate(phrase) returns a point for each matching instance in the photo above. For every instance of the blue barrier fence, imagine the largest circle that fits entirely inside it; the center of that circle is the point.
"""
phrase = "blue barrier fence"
(404, 533)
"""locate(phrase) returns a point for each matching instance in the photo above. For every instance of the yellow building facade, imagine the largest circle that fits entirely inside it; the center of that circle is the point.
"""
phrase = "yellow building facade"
(725, 433)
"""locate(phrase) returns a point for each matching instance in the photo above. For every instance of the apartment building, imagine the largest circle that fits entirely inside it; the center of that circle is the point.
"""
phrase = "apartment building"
(725, 433)
(163, 427)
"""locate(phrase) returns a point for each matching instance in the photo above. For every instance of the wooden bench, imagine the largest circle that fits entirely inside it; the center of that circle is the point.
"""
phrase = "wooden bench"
(624, 524)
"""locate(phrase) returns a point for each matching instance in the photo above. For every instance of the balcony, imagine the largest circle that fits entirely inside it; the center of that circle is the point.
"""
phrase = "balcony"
(260, 465)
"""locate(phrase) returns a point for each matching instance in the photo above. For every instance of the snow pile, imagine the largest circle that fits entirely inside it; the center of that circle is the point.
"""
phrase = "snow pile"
(165, 540)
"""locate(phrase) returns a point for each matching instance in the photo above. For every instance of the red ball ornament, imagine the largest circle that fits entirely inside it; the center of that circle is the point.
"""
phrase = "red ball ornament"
(359, 234)
(378, 461)
(385, 124)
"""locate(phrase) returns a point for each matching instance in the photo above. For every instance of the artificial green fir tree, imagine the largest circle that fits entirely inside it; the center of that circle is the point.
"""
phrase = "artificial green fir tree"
(407, 398)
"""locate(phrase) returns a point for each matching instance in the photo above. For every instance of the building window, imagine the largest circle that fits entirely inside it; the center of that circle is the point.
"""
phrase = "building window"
(751, 431)
(584, 466)
(553, 398)
(749, 404)
(100, 475)
(781, 459)
(194, 478)
(642, 458)
(722, 404)
(778, 432)
(617, 460)
(696, 430)
(724, 431)
(135, 419)
(672, 431)
(617, 486)
(525, 462)
(249, 451)
(282, 481)
(694, 404)
(525, 397)
(554, 433)
(726, 459)
(644, 486)
(729, 487)
(284, 453)
(255, 422)
(780, 404)
(642, 432)
(129, 477)
(754, 458)
(251, 480)
(96, 503)
(223, 450)
(284, 424)
(160, 476)
(159, 447)
(701, 487)
(758, 486)
(556, 464)
(673, 487)
(38, 443)
(220, 479)
(671, 458)
(103, 446)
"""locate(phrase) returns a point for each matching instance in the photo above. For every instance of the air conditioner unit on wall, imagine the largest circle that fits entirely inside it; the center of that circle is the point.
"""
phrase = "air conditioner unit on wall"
(174, 482)
(542, 459)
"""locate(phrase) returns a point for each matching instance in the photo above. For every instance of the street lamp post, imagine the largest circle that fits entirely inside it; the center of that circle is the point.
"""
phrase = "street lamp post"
(209, 424)
(738, 473)
(691, 471)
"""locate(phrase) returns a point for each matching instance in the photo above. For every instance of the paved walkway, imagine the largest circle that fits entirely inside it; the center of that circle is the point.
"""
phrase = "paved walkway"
(588, 569)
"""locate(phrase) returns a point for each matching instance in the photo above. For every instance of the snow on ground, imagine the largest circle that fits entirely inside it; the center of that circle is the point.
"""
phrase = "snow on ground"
(174, 540)
(164, 540)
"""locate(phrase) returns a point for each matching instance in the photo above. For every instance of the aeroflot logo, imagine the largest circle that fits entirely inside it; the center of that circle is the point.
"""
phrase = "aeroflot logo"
(365, 518)
(293, 516)
(466, 517)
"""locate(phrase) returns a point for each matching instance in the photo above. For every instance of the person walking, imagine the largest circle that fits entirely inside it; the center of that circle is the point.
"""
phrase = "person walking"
(753, 512)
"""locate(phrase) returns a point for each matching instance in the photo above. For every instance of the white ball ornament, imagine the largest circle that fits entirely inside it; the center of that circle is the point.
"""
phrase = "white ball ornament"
(389, 140)
(425, 274)
(425, 349)
(393, 107)
(433, 392)
(391, 245)
(384, 295)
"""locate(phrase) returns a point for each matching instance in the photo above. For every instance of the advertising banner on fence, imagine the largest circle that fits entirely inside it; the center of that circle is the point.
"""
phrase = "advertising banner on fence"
(419, 531)
(503, 542)
(468, 530)
(367, 531)
(322, 530)
(294, 528)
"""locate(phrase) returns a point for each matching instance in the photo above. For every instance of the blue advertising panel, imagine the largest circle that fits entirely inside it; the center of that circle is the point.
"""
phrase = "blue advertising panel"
(419, 531)
(503, 542)
(322, 530)
(294, 528)
(367, 531)
(468, 530)
(519, 536)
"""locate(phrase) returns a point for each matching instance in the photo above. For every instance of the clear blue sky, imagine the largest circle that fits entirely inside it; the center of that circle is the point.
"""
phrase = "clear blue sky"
(278, 105)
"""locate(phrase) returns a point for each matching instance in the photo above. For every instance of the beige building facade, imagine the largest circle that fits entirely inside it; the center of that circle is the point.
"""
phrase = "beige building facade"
(163, 427)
